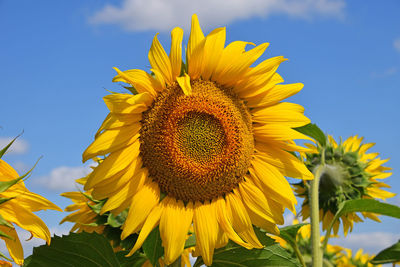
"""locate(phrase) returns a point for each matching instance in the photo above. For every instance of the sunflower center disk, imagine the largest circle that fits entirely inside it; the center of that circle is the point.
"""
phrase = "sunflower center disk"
(197, 147)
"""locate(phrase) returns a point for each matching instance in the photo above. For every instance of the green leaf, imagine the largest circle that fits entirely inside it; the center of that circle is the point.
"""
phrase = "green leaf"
(81, 249)
(289, 233)
(234, 255)
(191, 241)
(312, 130)
(136, 260)
(152, 246)
(388, 255)
(368, 205)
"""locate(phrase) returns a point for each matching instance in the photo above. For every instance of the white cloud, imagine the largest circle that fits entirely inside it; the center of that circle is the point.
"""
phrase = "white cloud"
(63, 178)
(20, 146)
(385, 73)
(163, 15)
(371, 242)
(396, 44)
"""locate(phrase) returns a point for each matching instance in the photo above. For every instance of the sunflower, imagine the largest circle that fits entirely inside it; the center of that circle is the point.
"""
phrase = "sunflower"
(17, 207)
(349, 173)
(206, 142)
(361, 259)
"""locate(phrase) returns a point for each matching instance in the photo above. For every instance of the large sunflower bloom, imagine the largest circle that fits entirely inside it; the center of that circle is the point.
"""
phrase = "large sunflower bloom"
(349, 173)
(205, 143)
(19, 210)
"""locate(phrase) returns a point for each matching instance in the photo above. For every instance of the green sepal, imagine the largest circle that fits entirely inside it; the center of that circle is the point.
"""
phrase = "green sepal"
(117, 221)
(388, 255)
(289, 233)
(4, 150)
(152, 246)
(4, 222)
(312, 130)
(4, 185)
(5, 199)
(131, 89)
(96, 208)
(2, 234)
(5, 257)
(191, 241)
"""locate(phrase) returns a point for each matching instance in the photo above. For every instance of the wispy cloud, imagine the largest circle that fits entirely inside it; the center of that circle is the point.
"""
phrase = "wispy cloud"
(20, 146)
(161, 15)
(396, 44)
(371, 242)
(63, 178)
(385, 73)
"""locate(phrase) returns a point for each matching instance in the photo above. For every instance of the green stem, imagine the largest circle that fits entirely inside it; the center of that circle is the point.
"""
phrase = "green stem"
(314, 201)
(298, 254)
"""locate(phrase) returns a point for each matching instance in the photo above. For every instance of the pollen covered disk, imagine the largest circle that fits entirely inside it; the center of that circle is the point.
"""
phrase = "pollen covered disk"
(197, 147)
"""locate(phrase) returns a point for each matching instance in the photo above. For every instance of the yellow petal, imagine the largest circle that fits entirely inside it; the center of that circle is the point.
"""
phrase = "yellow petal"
(285, 162)
(240, 219)
(174, 226)
(274, 95)
(159, 60)
(151, 222)
(26, 220)
(196, 36)
(225, 221)
(288, 114)
(184, 83)
(206, 229)
(127, 103)
(14, 246)
(240, 66)
(140, 80)
(175, 55)
(255, 201)
(114, 163)
(269, 132)
(273, 182)
(113, 121)
(112, 140)
(213, 48)
(143, 203)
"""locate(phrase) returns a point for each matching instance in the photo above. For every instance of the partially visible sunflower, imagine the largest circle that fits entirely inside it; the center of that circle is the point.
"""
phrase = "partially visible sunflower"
(349, 173)
(17, 207)
(206, 142)
(359, 260)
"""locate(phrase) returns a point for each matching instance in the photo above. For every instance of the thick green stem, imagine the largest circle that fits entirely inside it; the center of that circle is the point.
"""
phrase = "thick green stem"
(317, 252)
(298, 254)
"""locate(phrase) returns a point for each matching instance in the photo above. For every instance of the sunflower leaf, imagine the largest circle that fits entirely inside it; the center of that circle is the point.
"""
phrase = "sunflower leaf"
(312, 130)
(152, 247)
(368, 205)
(234, 255)
(289, 233)
(388, 255)
(81, 249)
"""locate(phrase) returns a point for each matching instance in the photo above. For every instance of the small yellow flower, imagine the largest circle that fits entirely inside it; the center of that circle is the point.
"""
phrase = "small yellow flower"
(19, 210)
(359, 260)
(204, 142)
(349, 173)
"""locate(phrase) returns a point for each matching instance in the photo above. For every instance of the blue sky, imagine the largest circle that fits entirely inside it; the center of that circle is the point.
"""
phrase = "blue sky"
(56, 62)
